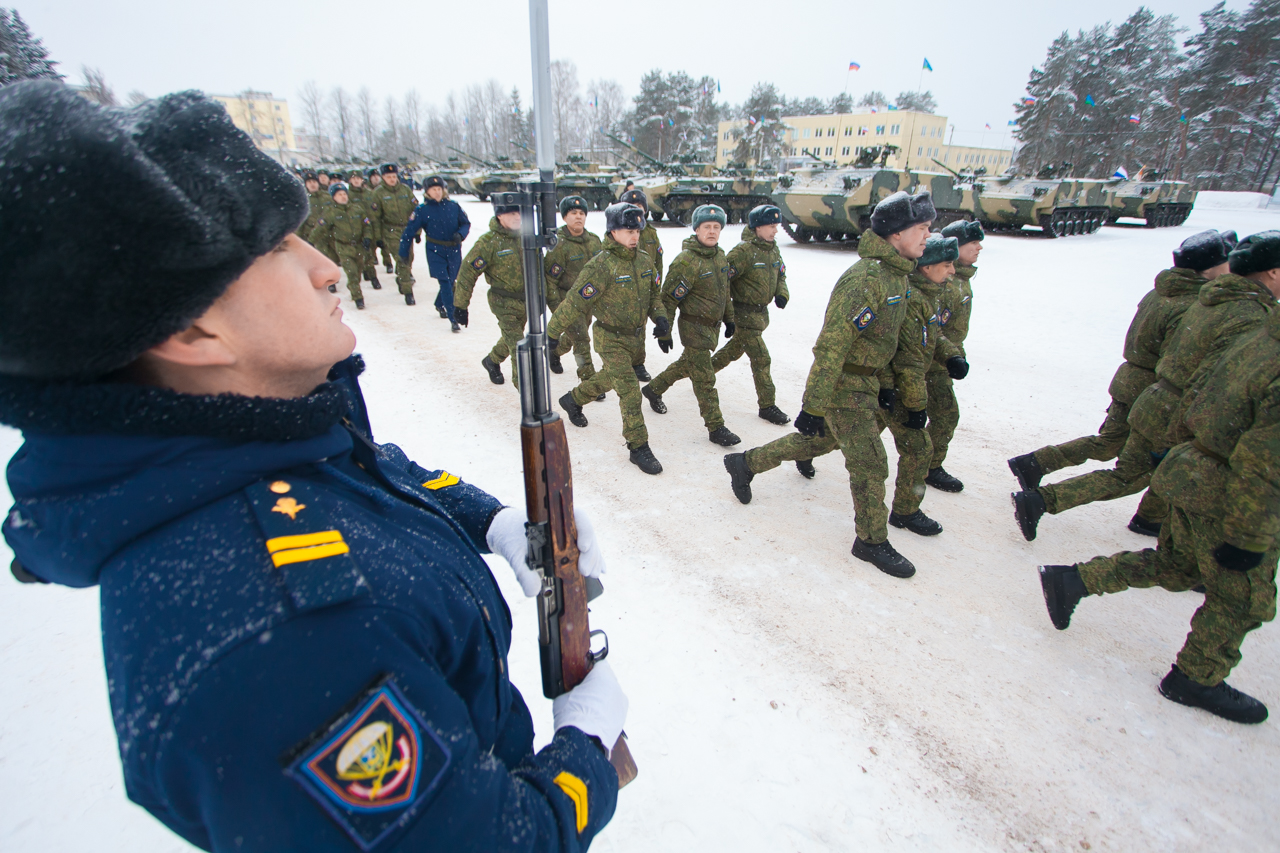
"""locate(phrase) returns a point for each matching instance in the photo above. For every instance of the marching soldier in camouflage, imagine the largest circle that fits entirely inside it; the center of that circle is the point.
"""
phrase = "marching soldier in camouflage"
(619, 287)
(859, 338)
(1224, 490)
(362, 197)
(950, 362)
(346, 228)
(650, 244)
(374, 181)
(758, 277)
(393, 204)
(316, 200)
(1155, 339)
(698, 286)
(903, 397)
(497, 255)
(576, 245)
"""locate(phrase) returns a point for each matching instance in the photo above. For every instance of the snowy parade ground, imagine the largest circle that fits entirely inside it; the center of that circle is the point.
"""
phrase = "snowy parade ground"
(784, 695)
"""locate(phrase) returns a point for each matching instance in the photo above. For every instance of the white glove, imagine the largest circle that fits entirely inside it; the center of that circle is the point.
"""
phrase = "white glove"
(597, 706)
(506, 537)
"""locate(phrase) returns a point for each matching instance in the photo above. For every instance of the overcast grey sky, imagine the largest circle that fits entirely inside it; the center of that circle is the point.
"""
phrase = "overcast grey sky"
(981, 52)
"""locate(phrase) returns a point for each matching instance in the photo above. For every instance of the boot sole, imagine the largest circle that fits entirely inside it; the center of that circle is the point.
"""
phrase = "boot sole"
(808, 473)
(1025, 484)
(494, 376)
(733, 482)
(1052, 599)
(726, 443)
(1022, 523)
(898, 572)
(945, 488)
(572, 414)
(655, 402)
(1226, 715)
(647, 471)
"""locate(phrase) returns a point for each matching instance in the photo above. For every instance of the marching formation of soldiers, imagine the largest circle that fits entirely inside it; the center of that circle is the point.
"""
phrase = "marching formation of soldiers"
(1191, 419)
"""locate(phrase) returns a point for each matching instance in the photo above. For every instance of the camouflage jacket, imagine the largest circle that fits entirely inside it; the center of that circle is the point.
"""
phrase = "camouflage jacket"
(918, 341)
(955, 305)
(1158, 317)
(563, 263)
(650, 243)
(346, 225)
(698, 284)
(317, 202)
(497, 255)
(390, 209)
(1231, 470)
(758, 275)
(619, 287)
(860, 331)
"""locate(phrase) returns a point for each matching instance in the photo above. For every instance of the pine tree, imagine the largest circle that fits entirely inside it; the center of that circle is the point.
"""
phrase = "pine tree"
(919, 101)
(764, 135)
(22, 57)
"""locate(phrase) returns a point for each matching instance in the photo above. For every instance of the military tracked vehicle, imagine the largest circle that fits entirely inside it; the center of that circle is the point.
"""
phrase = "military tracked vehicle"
(1161, 203)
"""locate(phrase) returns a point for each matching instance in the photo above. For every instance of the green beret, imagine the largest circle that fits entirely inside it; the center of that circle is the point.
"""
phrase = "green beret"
(939, 250)
(965, 231)
(1256, 253)
(708, 213)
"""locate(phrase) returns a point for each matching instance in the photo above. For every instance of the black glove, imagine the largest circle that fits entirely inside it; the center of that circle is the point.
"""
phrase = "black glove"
(957, 367)
(887, 398)
(810, 425)
(367, 242)
(665, 344)
(417, 238)
(460, 314)
(457, 237)
(553, 344)
(729, 329)
(917, 420)
(1236, 559)
(380, 246)
(780, 301)
(661, 328)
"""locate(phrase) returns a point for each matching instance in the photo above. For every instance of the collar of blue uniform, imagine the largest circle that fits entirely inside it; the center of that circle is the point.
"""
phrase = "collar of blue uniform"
(95, 408)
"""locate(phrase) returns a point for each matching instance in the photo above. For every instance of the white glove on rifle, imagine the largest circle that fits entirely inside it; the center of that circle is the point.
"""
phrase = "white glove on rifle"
(597, 706)
(507, 537)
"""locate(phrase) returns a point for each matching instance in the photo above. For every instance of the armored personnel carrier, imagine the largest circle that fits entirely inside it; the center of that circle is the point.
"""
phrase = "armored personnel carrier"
(1161, 203)
(579, 176)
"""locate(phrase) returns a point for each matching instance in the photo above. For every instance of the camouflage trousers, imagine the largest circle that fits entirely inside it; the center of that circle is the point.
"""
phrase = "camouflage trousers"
(857, 433)
(617, 354)
(637, 357)
(512, 317)
(350, 258)
(386, 255)
(1102, 447)
(404, 271)
(915, 451)
(750, 342)
(1235, 603)
(577, 337)
(1131, 474)
(944, 414)
(695, 364)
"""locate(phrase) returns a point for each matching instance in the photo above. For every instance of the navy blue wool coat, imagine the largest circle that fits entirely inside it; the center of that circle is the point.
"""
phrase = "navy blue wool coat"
(446, 222)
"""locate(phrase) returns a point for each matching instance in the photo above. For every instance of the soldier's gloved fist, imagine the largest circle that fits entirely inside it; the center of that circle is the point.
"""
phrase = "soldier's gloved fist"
(665, 344)
(506, 537)
(810, 425)
(380, 246)
(457, 237)
(597, 706)
(1236, 559)
(780, 301)
(461, 315)
(887, 398)
(917, 419)
(367, 242)
(729, 329)
(957, 367)
(661, 328)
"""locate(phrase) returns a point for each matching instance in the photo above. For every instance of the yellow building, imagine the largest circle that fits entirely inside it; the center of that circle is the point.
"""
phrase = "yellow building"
(919, 137)
(266, 120)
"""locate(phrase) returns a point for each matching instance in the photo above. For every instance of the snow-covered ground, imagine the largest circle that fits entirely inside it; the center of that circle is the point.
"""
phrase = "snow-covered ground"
(785, 696)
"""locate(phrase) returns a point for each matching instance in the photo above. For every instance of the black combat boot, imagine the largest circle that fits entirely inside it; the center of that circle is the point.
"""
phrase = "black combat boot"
(494, 371)
(942, 481)
(556, 366)
(409, 300)
(600, 398)
(367, 274)
(454, 327)
(740, 475)
(721, 436)
(333, 288)
(655, 399)
(918, 523)
(1142, 527)
(373, 281)
(774, 415)
(570, 405)
(1063, 588)
(643, 458)
(1221, 699)
(390, 268)
(806, 469)
(641, 373)
(1027, 470)
(360, 303)
(1028, 507)
(884, 558)
(444, 315)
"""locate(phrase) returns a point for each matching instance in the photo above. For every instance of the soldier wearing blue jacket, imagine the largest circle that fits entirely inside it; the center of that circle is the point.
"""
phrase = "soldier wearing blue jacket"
(445, 225)
(304, 646)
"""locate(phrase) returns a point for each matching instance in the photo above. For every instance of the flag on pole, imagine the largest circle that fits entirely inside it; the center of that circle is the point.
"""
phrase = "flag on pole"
(1028, 99)
(1121, 173)
(853, 66)
(1135, 119)
(1182, 119)
(717, 85)
(891, 107)
(988, 127)
(927, 66)
(874, 110)
(671, 122)
(1013, 123)
(751, 119)
(1088, 99)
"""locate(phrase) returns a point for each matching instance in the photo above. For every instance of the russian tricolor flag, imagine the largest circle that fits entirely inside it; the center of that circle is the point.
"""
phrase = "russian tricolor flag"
(853, 66)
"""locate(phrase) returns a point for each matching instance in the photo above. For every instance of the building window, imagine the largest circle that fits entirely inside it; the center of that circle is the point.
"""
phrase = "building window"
(844, 152)
(848, 131)
(804, 150)
(806, 133)
(831, 131)
(920, 151)
(862, 131)
(829, 150)
(726, 136)
(895, 130)
(879, 130)
(795, 134)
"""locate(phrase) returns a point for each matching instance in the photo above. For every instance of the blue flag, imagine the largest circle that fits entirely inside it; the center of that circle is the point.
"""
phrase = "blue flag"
(927, 66)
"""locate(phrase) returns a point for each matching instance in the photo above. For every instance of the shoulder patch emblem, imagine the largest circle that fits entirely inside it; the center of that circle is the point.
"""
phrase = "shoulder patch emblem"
(370, 766)
(587, 290)
(894, 300)
(478, 264)
(576, 257)
(681, 291)
(864, 318)
(760, 264)
(623, 279)
(577, 791)
(503, 252)
(659, 248)
(555, 271)
(706, 274)
(945, 316)
(646, 274)
(965, 300)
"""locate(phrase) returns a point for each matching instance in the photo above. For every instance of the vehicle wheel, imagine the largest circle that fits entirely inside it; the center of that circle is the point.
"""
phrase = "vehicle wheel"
(803, 234)
(657, 215)
(821, 236)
